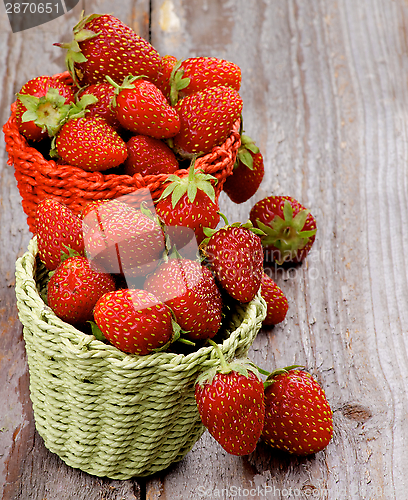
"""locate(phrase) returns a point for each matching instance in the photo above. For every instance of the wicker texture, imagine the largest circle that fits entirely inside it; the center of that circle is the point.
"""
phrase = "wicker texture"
(39, 178)
(106, 412)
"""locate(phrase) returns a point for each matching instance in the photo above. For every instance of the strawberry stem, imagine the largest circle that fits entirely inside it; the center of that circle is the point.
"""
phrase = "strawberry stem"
(225, 367)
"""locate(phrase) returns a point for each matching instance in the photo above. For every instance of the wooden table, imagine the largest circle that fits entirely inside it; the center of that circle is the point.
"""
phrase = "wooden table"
(325, 90)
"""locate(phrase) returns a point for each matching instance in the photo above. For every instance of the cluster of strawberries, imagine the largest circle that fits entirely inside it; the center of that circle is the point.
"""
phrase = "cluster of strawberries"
(146, 276)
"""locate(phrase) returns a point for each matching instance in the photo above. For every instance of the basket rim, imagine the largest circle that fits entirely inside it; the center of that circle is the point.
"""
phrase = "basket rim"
(86, 345)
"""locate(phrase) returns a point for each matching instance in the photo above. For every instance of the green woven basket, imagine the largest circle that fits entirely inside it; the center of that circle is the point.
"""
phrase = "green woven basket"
(106, 412)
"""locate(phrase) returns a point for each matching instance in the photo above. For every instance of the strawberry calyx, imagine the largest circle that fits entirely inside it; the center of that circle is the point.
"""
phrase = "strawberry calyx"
(244, 155)
(270, 376)
(49, 111)
(239, 365)
(209, 232)
(177, 82)
(74, 53)
(189, 184)
(127, 84)
(286, 234)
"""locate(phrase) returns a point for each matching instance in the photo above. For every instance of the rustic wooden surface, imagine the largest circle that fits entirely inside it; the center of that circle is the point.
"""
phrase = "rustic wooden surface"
(325, 97)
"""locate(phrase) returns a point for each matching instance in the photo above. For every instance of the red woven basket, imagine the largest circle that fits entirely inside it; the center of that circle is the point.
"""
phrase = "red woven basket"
(39, 178)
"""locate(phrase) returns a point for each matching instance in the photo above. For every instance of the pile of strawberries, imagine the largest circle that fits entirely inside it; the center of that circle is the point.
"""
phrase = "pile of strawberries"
(148, 277)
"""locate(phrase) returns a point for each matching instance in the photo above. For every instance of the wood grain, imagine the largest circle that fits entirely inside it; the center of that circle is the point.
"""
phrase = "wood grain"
(324, 85)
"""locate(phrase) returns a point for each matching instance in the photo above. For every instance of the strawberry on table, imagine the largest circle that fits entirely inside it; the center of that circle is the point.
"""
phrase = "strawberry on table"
(190, 291)
(74, 289)
(149, 156)
(58, 229)
(289, 228)
(199, 73)
(230, 401)
(42, 106)
(276, 301)
(234, 254)
(188, 201)
(142, 108)
(206, 119)
(103, 45)
(247, 174)
(134, 321)
(298, 417)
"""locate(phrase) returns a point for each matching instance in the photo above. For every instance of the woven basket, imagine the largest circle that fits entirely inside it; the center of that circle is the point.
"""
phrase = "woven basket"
(39, 178)
(106, 412)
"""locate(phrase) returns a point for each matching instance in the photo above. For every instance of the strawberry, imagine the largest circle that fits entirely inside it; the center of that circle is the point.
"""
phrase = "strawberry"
(42, 106)
(189, 202)
(234, 254)
(189, 289)
(247, 174)
(122, 239)
(103, 45)
(142, 108)
(149, 156)
(91, 144)
(167, 65)
(74, 289)
(230, 401)
(58, 229)
(206, 119)
(105, 93)
(134, 321)
(199, 73)
(289, 228)
(298, 418)
(276, 301)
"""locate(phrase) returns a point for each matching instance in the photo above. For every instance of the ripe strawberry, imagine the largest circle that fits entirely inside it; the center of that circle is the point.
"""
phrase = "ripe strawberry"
(149, 156)
(42, 106)
(206, 119)
(121, 239)
(103, 45)
(276, 301)
(58, 229)
(142, 108)
(105, 93)
(134, 321)
(234, 254)
(247, 174)
(199, 73)
(74, 289)
(230, 401)
(91, 144)
(190, 291)
(298, 418)
(188, 202)
(289, 228)
(163, 83)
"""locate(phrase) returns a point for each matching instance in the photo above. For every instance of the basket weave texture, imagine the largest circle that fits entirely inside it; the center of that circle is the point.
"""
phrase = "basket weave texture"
(106, 412)
(39, 178)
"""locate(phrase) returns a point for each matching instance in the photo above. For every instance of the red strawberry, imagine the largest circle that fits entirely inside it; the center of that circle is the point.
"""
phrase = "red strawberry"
(142, 108)
(167, 64)
(289, 228)
(58, 229)
(74, 289)
(230, 401)
(103, 45)
(247, 174)
(199, 73)
(298, 418)
(121, 239)
(105, 93)
(134, 321)
(149, 156)
(276, 301)
(42, 106)
(189, 289)
(206, 119)
(91, 144)
(188, 202)
(234, 254)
